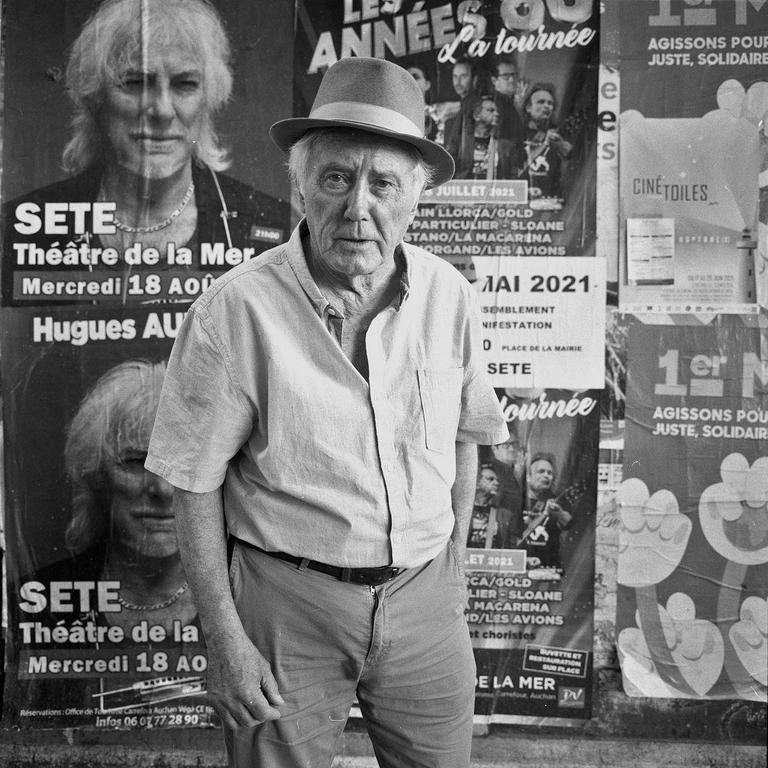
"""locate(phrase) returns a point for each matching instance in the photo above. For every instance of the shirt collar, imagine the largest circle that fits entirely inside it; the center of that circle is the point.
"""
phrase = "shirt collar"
(298, 261)
(406, 274)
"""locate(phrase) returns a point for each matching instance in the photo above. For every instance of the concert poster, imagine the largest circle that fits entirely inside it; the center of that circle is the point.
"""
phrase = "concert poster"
(536, 196)
(102, 628)
(62, 243)
(693, 156)
(693, 537)
(530, 560)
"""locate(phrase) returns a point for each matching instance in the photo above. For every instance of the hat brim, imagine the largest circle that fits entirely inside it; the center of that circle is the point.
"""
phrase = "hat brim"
(285, 133)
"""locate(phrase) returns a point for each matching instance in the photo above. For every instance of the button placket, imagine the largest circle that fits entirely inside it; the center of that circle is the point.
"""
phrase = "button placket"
(385, 420)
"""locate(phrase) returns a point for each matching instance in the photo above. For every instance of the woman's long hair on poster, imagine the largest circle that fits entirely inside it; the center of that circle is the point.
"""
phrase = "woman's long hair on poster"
(113, 420)
(110, 43)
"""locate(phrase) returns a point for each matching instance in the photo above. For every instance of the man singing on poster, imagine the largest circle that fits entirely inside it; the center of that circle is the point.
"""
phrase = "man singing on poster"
(544, 148)
(321, 407)
(543, 517)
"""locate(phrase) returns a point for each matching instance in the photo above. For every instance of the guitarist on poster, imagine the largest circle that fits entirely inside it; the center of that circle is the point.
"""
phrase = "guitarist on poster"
(544, 519)
(544, 149)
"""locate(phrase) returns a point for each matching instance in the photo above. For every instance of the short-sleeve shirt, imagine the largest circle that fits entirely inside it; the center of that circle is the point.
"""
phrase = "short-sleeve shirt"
(315, 460)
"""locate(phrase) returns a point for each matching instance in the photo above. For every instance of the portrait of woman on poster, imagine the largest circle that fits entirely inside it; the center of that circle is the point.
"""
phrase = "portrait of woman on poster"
(146, 79)
(121, 535)
(122, 527)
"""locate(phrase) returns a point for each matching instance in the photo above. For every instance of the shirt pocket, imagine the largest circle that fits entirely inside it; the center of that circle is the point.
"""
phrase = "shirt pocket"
(440, 394)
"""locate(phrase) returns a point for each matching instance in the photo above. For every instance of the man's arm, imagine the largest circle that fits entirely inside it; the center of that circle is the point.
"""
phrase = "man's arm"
(240, 682)
(463, 493)
(562, 516)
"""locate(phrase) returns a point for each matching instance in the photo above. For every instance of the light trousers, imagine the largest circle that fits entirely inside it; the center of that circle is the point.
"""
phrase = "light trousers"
(401, 649)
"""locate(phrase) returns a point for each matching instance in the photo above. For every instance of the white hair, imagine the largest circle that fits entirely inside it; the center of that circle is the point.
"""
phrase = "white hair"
(111, 42)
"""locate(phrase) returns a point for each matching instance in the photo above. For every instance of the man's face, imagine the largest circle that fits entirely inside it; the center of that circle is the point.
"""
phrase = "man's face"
(541, 476)
(142, 518)
(360, 196)
(488, 482)
(487, 114)
(505, 81)
(421, 79)
(462, 79)
(541, 106)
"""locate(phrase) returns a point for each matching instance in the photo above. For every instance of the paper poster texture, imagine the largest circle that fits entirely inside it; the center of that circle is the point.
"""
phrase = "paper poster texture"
(693, 101)
(530, 559)
(71, 234)
(543, 320)
(102, 627)
(693, 541)
(607, 218)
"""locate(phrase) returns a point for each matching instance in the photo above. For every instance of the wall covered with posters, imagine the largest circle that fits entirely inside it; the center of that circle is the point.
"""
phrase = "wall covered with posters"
(615, 567)
(691, 602)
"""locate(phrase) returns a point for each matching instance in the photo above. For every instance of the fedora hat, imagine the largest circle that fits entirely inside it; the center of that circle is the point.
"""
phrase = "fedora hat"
(372, 95)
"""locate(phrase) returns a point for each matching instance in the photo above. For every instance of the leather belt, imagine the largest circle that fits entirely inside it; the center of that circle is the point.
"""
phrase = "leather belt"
(371, 577)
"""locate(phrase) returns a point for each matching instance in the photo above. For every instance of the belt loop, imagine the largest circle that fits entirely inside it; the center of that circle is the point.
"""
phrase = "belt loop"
(346, 574)
(302, 566)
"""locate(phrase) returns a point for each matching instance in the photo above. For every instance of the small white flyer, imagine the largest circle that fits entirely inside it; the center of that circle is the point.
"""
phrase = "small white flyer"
(651, 251)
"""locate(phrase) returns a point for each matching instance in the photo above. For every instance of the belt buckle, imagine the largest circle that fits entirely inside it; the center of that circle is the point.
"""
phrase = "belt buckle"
(376, 576)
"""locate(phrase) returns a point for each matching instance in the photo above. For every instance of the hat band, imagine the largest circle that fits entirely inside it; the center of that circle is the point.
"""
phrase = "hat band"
(367, 114)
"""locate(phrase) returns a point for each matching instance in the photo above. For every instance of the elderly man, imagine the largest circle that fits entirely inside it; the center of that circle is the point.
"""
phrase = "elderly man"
(320, 407)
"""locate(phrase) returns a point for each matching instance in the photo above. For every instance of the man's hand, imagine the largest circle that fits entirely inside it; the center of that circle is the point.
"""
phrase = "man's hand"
(562, 147)
(556, 512)
(241, 687)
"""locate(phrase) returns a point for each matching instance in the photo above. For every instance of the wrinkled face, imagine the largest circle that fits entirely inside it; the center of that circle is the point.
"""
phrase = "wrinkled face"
(541, 476)
(505, 81)
(462, 79)
(153, 116)
(420, 78)
(360, 196)
(488, 482)
(142, 519)
(541, 106)
(487, 114)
